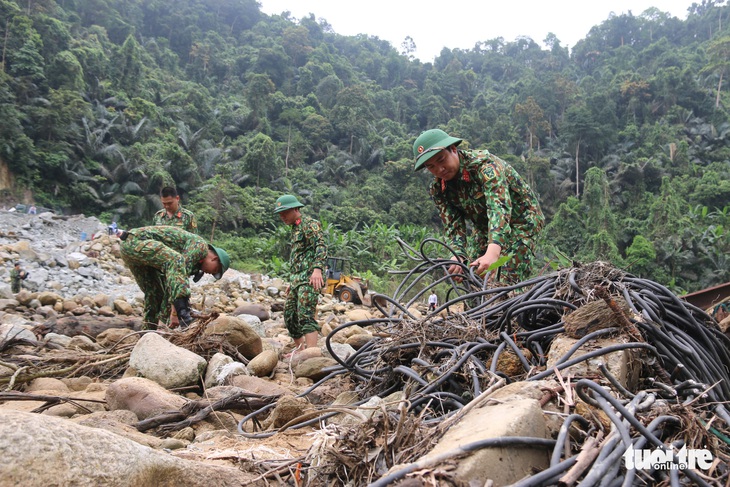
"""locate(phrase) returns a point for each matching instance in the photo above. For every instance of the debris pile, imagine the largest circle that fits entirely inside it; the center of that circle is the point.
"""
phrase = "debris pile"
(578, 376)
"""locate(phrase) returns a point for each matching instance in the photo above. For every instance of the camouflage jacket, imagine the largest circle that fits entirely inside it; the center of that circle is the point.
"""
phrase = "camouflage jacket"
(15, 275)
(182, 218)
(493, 199)
(192, 248)
(308, 250)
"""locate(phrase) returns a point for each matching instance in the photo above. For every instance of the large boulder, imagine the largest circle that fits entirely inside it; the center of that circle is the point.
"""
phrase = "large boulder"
(255, 309)
(220, 368)
(170, 366)
(143, 397)
(264, 363)
(45, 450)
(238, 333)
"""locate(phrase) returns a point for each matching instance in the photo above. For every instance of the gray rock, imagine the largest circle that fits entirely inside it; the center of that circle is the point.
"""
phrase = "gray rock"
(170, 366)
(220, 368)
(44, 450)
(145, 398)
(10, 331)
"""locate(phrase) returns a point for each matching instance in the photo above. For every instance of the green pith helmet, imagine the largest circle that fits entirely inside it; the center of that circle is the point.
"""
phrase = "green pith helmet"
(287, 202)
(225, 261)
(430, 143)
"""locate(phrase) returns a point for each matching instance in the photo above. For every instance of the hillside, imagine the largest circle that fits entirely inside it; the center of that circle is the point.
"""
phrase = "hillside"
(624, 138)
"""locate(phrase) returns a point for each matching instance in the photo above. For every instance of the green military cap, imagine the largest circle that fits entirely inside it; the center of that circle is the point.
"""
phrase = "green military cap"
(225, 261)
(429, 143)
(287, 202)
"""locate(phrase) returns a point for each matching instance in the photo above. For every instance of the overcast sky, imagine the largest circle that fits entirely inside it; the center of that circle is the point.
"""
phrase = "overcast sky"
(462, 23)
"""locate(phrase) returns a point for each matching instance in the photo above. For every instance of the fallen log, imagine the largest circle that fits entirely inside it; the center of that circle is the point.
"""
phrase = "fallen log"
(196, 411)
(49, 400)
(88, 325)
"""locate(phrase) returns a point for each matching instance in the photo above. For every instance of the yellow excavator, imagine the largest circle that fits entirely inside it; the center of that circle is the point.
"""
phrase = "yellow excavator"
(342, 285)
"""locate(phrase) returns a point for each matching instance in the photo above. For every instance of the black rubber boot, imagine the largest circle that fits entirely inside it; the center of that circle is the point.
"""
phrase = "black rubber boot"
(182, 308)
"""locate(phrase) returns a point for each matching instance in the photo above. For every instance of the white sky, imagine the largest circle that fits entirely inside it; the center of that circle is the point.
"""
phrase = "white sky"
(463, 23)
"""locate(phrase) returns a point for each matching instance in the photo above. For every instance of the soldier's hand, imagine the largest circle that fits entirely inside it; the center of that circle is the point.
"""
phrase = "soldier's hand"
(455, 269)
(316, 279)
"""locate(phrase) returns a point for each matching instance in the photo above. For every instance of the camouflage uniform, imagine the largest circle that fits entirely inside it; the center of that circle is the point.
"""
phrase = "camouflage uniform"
(182, 218)
(15, 279)
(161, 259)
(308, 251)
(500, 206)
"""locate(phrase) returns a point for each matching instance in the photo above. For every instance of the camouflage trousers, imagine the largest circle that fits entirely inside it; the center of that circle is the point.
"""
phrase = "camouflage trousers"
(299, 311)
(15, 285)
(160, 274)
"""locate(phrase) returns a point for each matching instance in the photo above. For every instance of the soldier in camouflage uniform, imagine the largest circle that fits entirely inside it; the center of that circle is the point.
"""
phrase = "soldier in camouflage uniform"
(161, 259)
(308, 256)
(173, 214)
(16, 275)
(481, 189)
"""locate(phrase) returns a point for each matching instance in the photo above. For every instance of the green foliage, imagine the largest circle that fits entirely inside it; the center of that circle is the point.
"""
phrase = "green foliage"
(625, 138)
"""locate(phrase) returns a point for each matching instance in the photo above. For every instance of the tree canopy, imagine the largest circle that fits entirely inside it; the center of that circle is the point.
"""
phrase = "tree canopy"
(625, 136)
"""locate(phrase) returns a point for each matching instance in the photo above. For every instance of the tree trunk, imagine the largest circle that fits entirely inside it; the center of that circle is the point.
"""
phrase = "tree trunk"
(719, 87)
(577, 170)
(91, 325)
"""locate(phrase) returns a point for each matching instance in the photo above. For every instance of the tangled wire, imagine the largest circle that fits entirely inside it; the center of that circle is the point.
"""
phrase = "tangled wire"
(453, 357)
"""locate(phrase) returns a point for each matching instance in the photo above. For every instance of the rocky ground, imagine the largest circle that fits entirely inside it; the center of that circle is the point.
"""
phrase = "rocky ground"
(78, 305)
(448, 399)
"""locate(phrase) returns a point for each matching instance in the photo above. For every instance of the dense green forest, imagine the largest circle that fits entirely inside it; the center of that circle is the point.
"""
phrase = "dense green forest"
(625, 137)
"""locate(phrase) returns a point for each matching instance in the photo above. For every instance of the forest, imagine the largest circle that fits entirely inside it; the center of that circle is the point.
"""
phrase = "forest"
(624, 136)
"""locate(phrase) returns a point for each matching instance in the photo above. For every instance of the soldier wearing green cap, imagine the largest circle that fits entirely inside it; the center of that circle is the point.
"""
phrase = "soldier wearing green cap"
(308, 256)
(477, 187)
(161, 258)
(173, 214)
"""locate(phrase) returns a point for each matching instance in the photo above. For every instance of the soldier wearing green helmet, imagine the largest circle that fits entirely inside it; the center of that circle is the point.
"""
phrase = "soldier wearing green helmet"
(308, 257)
(476, 187)
(161, 258)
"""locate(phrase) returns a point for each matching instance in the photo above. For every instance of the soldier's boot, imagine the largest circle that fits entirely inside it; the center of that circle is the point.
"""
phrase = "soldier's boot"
(182, 308)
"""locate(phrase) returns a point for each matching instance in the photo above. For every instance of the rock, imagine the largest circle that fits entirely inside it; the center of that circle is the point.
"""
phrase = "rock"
(47, 384)
(8, 304)
(342, 350)
(48, 298)
(220, 368)
(101, 300)
(78, 406)
(119, 422)
(725, 324)
(123, 307)
(623, 364)
(24, 297)
(256, 385)
(503, 466)
(313, 368)
(264, 363)
(359, 340)
(299, 356)
(173, 444)
(170, 366)
(287, 408)
(143, 397)
(239, 334)
(44, 450)
(77, 383)
(257, 310)
(118, 337)
(15, 332)
(82, 342)
(510, 364)
(358, 314)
